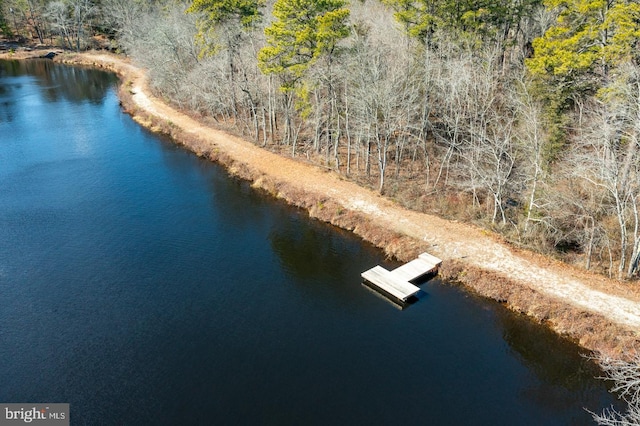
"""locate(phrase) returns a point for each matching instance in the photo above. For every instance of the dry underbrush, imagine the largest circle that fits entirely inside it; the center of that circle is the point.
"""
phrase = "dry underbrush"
(591, 331)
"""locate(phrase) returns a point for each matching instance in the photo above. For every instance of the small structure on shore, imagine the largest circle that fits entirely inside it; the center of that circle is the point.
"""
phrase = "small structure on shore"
(398, 284)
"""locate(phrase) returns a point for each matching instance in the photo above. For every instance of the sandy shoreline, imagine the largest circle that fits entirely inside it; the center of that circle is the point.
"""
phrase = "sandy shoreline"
(598, 313)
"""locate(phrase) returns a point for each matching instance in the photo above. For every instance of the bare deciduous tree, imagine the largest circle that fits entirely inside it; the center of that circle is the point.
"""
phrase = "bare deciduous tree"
(625, 376)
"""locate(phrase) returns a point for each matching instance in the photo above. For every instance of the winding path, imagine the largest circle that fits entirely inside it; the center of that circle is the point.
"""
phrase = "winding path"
(448, 240)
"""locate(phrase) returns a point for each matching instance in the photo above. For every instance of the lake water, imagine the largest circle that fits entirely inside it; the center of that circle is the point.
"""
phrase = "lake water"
(142, 285)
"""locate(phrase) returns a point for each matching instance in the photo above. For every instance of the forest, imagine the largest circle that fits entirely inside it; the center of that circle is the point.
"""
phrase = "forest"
(521, 116)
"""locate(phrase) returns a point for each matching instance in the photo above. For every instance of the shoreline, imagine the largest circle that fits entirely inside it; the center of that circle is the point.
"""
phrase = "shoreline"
(599, 314)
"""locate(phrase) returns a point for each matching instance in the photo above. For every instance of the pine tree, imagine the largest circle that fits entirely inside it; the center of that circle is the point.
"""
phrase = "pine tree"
(303, 31)
(588, 39)
(247, 12)
(4, 29)
(578, 56)
(483, 19)
(226, 20)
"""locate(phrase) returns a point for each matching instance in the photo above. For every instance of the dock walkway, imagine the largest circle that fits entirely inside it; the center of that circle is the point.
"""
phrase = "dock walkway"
(398, 283)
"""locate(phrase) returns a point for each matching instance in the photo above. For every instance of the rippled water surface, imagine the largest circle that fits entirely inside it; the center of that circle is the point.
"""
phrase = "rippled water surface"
(142, 285)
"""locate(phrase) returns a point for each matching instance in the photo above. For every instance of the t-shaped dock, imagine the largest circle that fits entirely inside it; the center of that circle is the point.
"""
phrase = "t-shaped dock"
(397, 284)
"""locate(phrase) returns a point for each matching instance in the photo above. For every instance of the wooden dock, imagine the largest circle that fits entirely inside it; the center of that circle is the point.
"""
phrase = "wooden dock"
(398, 284)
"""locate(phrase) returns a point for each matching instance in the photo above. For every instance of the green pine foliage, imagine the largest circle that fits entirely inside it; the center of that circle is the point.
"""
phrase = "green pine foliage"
(475, 20)
(4, 28)
(578, 55)
(241, 15)
(247, 12)
(588, 39)
(301, 33)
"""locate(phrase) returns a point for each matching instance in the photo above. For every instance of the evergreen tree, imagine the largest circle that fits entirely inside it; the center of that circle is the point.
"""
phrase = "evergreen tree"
(303, 31)
(247, 12)
(482, 19)
(578, 55)
(588, 38)
(226, 20)
(4, 29)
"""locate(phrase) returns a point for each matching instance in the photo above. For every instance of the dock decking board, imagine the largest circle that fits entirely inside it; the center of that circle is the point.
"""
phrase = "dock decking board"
(429, 258)
(386, 281)
(413, 270)
(397, 283)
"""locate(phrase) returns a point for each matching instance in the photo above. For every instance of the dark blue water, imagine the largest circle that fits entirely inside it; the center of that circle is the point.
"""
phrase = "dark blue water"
(143, 286)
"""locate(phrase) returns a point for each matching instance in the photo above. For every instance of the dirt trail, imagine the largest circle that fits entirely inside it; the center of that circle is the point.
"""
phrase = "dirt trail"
(445, 239)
